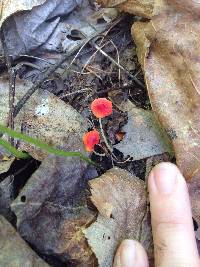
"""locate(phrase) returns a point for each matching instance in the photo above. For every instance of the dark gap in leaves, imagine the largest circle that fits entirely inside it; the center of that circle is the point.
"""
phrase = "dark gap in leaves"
(75, 35)
(21, 170)
(23, 199)
(195, 225)
(101, 21)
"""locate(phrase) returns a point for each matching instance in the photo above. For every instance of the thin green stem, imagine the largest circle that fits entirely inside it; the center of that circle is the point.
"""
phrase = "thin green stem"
(13, 150)
(40, 144)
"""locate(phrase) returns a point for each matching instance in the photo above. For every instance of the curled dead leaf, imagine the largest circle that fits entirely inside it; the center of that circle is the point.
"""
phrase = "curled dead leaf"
(172, 76)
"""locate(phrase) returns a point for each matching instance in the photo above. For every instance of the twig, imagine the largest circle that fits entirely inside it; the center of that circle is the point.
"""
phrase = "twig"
(45, 75)
(117, 64)
(104, 137)
(98, 154)
(76, 92)
(12, 79)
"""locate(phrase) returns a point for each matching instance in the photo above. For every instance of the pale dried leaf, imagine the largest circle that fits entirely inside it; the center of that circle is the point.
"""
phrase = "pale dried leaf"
(121, 201)
(143, 135)
(9, 7)
(41, 118)
(14, 251)
(51, 27)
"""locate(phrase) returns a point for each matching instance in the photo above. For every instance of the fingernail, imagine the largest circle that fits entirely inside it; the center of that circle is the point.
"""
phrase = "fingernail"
(165, 177)
(126, 257)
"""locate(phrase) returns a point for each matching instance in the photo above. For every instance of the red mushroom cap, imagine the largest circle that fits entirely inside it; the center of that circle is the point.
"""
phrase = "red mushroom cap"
(101, 107)
(91, 139)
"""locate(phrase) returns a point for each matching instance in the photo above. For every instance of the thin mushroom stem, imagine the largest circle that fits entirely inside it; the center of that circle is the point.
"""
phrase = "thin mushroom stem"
(104, 137)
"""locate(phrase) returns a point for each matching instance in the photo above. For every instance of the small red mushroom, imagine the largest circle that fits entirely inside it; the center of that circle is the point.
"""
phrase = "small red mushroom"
(90, 139)
(101, 107)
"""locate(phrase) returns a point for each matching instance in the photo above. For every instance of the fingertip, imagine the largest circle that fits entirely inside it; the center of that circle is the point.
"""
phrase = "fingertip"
(165, 177)
(173, 234)
(130, 254)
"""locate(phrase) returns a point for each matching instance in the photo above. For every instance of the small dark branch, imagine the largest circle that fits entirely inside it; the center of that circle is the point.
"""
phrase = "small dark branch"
(12, 79)
(48, 73)
(133, 77)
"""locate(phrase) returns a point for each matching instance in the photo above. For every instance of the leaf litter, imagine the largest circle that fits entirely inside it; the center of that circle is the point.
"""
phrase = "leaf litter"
(53, 209)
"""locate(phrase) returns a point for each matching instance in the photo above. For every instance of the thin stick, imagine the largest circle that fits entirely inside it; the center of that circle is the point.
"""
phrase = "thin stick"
(76, 92)
(104, 137)
(12, 80)
(117, 64)
(49, 72)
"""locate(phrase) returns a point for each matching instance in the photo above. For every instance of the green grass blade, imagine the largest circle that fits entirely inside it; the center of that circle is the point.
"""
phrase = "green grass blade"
(13, 150)
(40, 144)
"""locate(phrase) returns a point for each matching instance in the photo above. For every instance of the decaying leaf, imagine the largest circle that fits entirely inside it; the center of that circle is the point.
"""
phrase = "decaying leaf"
(173, 88)
(122, 204)
(41, 118)
(9, 7)
(51, 210)
(53, 26)
(172, 71)
(14, 251)
(144, 137)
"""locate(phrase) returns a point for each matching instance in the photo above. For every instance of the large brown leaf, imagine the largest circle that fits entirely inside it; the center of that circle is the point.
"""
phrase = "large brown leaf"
(169, 53)
(122, 204)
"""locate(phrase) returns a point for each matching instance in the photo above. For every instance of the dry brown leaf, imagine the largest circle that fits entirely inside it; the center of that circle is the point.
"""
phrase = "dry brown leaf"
(14, 251)
(139, 7)
(169, 52)
(122, 204)
(9, 7)
(41, 118)
(171, 67)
